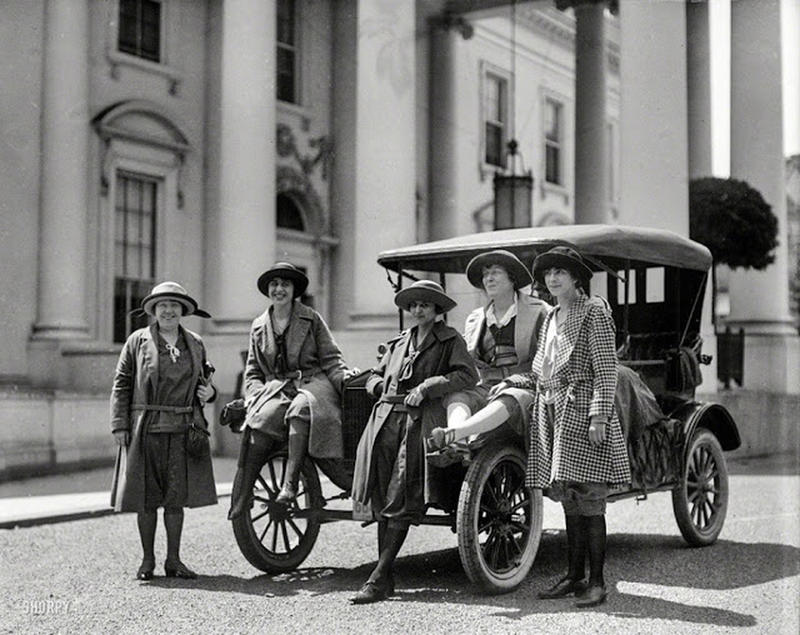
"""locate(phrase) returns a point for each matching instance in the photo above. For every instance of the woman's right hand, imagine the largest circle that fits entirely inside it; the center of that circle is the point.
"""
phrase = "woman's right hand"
(497, 388)
(122, 437)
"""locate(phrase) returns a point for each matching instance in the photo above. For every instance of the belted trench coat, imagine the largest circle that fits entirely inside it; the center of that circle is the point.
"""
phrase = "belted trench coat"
(135, 382)
(310, 349)
(583, 382)
(442, 365)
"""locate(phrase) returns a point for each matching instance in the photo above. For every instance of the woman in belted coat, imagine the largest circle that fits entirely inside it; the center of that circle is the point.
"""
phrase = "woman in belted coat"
(577, 449)
(292, 382)
(422, 365)
(161, 383)
(501, 337)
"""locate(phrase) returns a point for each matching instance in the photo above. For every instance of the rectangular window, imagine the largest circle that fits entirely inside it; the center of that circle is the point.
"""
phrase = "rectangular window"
(286, 60)
(134, 249)
(553, 139)
(140, 28)
(495, 109)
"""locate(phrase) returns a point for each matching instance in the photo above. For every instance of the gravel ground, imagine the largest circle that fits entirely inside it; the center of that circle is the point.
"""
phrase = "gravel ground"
(77, 577)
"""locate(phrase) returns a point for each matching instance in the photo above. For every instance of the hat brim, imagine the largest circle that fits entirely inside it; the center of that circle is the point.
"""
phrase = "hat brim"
(443, 302)
(549, 260)
(508, 261)
(298, 279)
(188, 303)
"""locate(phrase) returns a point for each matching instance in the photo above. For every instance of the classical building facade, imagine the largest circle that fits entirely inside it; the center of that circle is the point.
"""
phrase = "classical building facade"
(202, 140)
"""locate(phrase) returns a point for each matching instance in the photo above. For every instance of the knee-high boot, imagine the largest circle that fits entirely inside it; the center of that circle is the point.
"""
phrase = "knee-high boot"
(595, 593)
(573, 582)
(298, 444)
(377, 586)
(253, 453)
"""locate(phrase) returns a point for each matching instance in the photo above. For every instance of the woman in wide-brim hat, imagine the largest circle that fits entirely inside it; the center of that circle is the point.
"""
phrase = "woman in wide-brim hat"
(161, 384)
(292, 384)
(577, 450)
(501, 337)
(391, 480)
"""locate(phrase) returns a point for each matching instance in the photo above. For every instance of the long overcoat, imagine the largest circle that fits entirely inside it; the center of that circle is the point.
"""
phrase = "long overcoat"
(135, 382)
(583, 381)
(442, 365)
(311, 349)
(531, 312)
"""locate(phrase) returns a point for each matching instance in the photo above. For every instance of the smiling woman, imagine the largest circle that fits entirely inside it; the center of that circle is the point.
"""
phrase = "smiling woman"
(292, 382)
(161, 384)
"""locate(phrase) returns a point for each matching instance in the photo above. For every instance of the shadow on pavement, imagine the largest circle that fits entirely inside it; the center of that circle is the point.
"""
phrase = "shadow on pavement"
(662, 561)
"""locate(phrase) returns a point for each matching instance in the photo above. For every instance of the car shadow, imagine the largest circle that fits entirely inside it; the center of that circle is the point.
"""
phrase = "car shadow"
(662, 561)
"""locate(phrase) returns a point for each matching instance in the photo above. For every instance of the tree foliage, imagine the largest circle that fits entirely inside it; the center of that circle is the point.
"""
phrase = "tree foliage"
(734, 221)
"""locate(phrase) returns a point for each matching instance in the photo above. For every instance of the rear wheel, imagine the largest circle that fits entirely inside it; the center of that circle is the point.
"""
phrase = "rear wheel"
(499, 522)
(700, 501)
(276, 538)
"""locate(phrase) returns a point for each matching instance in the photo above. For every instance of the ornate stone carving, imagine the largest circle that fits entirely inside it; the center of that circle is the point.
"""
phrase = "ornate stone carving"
(287, 147)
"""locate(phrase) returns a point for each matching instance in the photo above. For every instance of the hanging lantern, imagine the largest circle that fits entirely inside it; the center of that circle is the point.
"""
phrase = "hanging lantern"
(513, 195)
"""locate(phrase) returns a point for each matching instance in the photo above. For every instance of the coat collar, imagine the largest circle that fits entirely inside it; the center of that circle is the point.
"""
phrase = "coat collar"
(572, 328)
(296, 331)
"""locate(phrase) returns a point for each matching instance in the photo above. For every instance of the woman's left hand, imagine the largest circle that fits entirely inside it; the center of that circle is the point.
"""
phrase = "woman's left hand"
(414, 398)
(597, 431)
(204, 393)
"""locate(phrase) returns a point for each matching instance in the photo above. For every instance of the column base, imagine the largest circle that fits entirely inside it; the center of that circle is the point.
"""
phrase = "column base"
(61, 331)
(772, 362)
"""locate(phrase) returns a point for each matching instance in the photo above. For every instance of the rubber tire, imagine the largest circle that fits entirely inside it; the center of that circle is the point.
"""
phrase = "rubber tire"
(486, 468)
(704, 454)
(277, 559)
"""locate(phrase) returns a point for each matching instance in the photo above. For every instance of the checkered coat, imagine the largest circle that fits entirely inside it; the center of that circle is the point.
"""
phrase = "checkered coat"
(584, 381)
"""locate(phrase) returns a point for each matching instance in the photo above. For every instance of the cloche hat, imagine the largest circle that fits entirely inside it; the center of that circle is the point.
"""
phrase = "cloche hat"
(287, 271)
(172, 291)
(505, 259)
(425, 291)
(565, 258)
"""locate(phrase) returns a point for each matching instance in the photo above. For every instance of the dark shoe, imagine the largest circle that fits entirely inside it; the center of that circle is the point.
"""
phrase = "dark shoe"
(178, 570)
(371, 592)
(443, 451)
(593, 595)
(287, 495)
(564, 587)
(145, 571)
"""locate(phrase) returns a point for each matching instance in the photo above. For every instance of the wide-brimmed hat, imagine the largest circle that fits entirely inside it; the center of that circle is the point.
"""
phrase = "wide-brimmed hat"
(505, 259)
(425, 291)
(564, 258)
(172, 291)
(287, 271)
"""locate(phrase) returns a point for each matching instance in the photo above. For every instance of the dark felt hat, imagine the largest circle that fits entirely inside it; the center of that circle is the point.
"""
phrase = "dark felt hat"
(564, 258)
(425, 291)
(287, 271)
(172, 291)
(502, 258)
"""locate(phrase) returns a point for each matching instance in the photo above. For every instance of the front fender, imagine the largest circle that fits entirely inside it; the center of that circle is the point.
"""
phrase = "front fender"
(712, 416)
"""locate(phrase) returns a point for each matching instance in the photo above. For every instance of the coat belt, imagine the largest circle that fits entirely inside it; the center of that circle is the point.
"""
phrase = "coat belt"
(178, 410)
(299, 373)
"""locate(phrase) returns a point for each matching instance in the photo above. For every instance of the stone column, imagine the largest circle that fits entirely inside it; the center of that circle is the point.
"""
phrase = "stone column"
(654, 172)
(698, 68)
(442, 129)
(65, 152)
(759, 299)
(591, 138)
(373, 184)
(246, 217)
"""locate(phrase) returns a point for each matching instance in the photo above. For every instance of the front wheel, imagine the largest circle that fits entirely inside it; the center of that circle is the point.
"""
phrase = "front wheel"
(276, 538)
(700, 501)
(499, 522)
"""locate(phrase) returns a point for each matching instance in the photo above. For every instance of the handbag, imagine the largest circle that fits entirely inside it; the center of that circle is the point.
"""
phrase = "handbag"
(233, 415)
(197, 441)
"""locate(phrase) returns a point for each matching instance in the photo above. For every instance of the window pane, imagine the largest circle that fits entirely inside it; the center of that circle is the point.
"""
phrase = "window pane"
(552, 165)
(494, 144)
(285, 80)
(285, 22)
(140, 28)
(492, 98)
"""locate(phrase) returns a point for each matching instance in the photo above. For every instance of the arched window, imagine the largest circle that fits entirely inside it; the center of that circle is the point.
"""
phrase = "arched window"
(288, 214)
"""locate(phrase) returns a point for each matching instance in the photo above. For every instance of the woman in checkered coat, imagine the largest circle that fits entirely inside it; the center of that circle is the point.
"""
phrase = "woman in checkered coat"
(577, 449)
